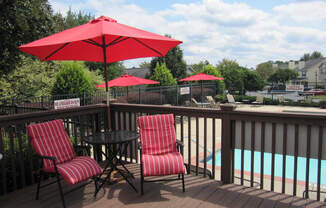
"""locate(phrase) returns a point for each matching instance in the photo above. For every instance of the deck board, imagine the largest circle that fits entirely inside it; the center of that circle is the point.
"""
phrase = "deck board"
(200, 192)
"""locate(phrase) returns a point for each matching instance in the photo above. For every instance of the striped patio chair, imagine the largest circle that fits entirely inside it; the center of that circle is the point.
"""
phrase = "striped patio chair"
(159, 148)
(56, 153)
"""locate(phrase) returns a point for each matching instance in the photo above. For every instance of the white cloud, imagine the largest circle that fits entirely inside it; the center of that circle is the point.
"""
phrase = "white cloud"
(214, 29)
(305, 12)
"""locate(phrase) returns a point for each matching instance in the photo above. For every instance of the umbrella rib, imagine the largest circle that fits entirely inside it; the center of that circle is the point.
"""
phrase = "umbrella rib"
(148, 46)
(90, 41)
(54, 52)
(116, 41)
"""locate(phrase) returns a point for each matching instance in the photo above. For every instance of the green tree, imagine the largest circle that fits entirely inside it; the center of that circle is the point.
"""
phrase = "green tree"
(211, 70)
(200, 66)
(265, 70)
(316, 54)
(114, 69)
(73, 19)
(313, 55)
(252, 81)
(233, 75)
(174, 61)
(72, 79)
(30, 78)
(282, 76)
(95, 77)
(305, 57)
(163, 75)
(21, 21)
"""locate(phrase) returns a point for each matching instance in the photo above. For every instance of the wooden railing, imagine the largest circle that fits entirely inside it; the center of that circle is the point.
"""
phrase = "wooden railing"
(189, 121)
(276, 135)
(283, 137)
(18, 167)
(218, 143)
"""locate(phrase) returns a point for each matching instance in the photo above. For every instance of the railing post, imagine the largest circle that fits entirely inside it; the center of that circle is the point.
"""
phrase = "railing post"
(14, 106)
(226, 151)
(84, 98)
(161, 95)
(177, 92)
(42, 101)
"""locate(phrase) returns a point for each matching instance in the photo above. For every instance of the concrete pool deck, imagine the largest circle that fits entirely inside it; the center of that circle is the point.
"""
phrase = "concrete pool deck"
(280, 108)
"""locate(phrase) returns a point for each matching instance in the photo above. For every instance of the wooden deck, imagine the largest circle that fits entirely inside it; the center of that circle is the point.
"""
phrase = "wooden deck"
(200, 192)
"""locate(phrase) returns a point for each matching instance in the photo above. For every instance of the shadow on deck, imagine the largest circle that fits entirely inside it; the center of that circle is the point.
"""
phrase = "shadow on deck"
(200, 192)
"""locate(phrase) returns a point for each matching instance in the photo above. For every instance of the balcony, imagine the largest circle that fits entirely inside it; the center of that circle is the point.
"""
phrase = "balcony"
(223, 155)
(200, 192)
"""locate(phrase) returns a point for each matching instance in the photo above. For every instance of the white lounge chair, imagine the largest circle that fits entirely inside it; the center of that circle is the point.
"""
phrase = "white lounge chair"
(231, 99)
(193, 100)
(259, 99)
(212, 102)
(281, 99)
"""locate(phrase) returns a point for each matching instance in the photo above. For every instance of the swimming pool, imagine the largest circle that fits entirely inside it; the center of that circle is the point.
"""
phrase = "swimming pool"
(301, 173)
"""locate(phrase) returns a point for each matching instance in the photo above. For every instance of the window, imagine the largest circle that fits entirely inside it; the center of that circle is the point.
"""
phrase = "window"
(303, 73)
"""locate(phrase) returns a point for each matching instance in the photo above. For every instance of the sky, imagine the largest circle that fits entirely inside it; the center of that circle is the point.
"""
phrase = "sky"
(248, 31)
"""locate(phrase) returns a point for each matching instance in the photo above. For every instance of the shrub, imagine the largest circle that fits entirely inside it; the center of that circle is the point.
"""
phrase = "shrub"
(221, 98)
(163, 75)
(240, 98)
(72, 79)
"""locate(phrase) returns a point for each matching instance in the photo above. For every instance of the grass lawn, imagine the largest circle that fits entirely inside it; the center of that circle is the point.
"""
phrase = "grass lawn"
(322, 97)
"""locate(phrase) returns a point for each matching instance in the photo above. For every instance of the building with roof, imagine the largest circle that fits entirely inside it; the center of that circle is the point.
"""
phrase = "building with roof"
(312, 73)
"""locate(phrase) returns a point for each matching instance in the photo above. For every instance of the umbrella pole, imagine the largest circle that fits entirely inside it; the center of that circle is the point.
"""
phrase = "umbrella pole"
(201, 91)
(106, 81)
(105, 71)
(127, 94)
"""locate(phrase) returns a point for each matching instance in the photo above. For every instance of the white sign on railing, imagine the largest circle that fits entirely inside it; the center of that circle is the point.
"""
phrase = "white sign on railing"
(294, 88)
(67, 103)
(184, 90)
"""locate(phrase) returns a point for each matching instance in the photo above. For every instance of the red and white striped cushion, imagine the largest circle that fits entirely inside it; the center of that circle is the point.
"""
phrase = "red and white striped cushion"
(157, 134)
(51, 139)
(159, 149)
(77, 170)
(167, 164)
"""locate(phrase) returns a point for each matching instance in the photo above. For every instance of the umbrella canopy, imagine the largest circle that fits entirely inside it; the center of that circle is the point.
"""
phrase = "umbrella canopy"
(127, 80)
(101, 40)
(200, 76)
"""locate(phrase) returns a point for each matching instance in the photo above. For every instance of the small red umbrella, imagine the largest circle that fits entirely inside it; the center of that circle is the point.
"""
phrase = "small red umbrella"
(200, 77)
(127, 80)
(101, 40)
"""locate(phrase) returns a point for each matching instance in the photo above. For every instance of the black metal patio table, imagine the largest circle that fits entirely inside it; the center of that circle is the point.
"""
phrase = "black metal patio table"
(113, 142)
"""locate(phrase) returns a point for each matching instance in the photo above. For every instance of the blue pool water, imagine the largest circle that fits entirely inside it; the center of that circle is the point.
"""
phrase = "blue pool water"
(301, 173)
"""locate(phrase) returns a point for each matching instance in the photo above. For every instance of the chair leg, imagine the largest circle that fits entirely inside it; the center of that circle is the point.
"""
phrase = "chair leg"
(40, 176)
(61, 192)
(141, 180)
(96, 186)
(183, 183)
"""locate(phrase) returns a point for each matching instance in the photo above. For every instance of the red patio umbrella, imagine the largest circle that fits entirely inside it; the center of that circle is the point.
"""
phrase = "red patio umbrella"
(200, 77)
(127, 80)
(101, 40)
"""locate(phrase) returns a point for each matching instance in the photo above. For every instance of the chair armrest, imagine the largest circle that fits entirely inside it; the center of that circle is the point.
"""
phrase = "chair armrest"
(180, 143)
(46, 157)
